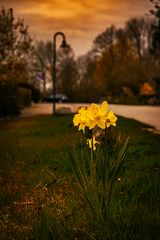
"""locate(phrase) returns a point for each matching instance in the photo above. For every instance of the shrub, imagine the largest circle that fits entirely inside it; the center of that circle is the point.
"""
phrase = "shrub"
(35, 93)
(9, 103)
(24, 97)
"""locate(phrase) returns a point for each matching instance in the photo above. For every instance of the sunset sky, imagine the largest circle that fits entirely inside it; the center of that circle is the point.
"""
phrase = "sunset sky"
(80, 20)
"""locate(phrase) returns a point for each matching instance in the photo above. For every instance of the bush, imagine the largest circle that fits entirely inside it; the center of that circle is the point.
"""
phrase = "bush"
(14, 96)
(9, 103)
(35, 93)
(24, 97)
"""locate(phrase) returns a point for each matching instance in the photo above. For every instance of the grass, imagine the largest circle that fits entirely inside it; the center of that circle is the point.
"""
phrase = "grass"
(39, 198)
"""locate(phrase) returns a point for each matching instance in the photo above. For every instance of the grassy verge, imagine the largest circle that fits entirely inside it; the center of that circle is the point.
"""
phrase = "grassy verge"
(39, 198)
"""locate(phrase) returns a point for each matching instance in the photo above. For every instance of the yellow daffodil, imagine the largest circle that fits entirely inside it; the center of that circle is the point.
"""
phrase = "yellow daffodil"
(76, 119)
(94, 115)
(104, 107)
(111, 119)
(97, 115)
(92, 144)
(80, 119)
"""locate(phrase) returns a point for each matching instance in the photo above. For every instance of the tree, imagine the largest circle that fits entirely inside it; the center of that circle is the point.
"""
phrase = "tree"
(86, 66)
(15, 50)
(156, 28)
(118, 67)
(104, 40)
(42, 64)
(15, 40)
(67, 72)
(139, 31)
(15, 47)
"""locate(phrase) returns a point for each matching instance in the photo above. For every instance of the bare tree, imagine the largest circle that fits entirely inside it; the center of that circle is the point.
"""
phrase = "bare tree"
(43, 63)
(156, 27)
(104, 40)
(86, 67)
(139, 32)
(15, 40)
(67, 72)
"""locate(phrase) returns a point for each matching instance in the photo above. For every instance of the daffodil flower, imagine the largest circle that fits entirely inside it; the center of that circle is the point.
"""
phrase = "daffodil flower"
(92, 143)
(97, 115)
(94, 115)
(80, 119)
(111, 119)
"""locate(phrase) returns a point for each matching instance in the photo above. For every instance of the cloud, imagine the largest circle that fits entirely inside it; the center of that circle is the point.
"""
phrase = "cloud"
(81, 20)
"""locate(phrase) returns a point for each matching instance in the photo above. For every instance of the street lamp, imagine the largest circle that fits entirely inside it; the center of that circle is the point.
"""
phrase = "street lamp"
(63, 45)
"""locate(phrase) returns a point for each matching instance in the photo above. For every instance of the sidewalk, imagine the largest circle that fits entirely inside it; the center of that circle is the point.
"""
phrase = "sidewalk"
(146, 114)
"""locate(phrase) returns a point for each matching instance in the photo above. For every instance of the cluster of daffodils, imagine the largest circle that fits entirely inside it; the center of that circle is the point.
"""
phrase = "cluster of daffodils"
(94, 116)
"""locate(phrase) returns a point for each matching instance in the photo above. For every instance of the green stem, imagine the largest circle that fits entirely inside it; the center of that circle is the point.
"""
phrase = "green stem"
(105, 147)
(92, 161)
(104, 176)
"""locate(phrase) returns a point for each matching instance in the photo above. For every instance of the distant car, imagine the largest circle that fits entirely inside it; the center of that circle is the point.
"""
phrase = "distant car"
(59, 98)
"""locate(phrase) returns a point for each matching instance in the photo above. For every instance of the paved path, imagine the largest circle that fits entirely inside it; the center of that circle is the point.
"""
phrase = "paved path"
(146, 114)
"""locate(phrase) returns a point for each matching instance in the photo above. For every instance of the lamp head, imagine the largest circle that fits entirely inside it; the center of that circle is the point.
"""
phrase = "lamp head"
(64, 44)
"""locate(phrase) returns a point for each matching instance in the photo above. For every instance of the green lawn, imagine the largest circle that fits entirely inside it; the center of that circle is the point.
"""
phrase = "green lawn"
(39, 197)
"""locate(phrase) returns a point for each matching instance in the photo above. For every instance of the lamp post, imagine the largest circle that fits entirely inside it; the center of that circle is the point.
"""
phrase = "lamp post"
(63, 45)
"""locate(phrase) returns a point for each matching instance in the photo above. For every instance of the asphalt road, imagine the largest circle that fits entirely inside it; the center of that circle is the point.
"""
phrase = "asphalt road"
(146, 114)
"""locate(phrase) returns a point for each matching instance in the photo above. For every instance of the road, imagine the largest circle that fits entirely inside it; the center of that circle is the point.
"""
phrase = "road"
(146, 114)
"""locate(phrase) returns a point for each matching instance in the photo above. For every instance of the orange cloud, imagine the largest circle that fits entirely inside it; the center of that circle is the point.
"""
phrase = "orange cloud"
(81, 20)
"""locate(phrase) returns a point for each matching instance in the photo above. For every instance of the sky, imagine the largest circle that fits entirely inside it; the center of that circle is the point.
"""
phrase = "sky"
(80, 20)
